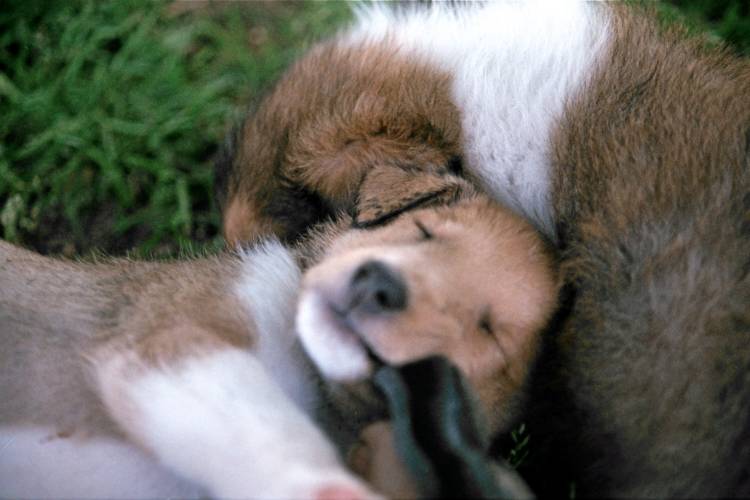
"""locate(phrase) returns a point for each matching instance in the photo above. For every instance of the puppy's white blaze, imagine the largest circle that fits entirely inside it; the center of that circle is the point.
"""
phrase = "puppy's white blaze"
(222, 421)
(338, 355)
(514, 66)
(268, 287)
(33, 465)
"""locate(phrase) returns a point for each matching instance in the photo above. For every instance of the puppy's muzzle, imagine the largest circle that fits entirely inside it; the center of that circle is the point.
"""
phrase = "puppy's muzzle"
(376, 289)
(341, 312)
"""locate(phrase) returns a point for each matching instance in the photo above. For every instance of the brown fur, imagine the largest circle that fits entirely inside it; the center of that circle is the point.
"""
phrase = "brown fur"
(308, 162)
(657, 365)
(78, 339)
(646, 391)
(376, 457)
(97, 311)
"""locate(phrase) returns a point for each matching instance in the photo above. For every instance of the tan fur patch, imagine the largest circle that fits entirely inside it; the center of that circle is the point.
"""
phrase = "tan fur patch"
(480, 289)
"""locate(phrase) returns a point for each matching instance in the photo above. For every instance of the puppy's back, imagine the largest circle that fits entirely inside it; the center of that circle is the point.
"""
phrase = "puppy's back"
(57, 315)
(652, 164)
(48, 314)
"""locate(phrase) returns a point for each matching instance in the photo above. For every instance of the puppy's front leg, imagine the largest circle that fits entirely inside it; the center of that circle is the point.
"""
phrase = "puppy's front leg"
(218, 419)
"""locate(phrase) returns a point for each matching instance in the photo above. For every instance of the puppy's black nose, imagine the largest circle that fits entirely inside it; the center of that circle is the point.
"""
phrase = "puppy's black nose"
(376, 289)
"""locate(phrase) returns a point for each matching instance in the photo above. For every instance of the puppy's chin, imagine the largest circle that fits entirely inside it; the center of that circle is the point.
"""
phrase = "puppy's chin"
(333, 346)
(340, 356)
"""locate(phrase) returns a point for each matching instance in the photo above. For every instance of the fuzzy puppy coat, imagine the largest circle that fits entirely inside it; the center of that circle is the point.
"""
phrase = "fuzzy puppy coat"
(106, 366)
(625, 142)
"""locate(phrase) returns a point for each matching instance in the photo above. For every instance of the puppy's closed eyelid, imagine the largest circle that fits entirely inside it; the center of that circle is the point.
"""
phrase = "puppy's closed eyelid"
(485, 322)
(426, 234)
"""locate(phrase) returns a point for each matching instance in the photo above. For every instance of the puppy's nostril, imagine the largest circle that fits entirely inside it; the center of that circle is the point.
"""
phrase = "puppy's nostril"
(375, 288)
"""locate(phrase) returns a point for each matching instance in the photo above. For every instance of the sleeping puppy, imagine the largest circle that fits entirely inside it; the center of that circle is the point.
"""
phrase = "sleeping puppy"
(141, 379)
(433, 270)
(626, 142)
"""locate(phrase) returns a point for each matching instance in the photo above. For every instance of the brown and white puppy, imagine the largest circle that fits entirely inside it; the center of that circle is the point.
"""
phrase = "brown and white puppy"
(624, 141)
(105, 367)
(126, 379)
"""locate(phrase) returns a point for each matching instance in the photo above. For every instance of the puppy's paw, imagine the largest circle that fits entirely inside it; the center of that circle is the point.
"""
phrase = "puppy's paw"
(375, 459)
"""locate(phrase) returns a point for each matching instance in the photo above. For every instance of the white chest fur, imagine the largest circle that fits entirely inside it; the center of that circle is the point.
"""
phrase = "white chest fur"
(514, 67)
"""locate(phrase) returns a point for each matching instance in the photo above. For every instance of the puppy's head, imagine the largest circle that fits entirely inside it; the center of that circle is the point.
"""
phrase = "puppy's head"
(468, 280)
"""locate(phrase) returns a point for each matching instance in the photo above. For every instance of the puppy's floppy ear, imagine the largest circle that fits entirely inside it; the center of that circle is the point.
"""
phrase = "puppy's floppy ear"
(386, 192)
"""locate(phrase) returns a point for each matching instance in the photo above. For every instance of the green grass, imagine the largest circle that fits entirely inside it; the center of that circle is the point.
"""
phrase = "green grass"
(112, 110)
(726, 20)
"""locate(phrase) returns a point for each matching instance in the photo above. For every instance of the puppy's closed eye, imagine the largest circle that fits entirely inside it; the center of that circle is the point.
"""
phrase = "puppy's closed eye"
(485, 322)
(426, 233)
